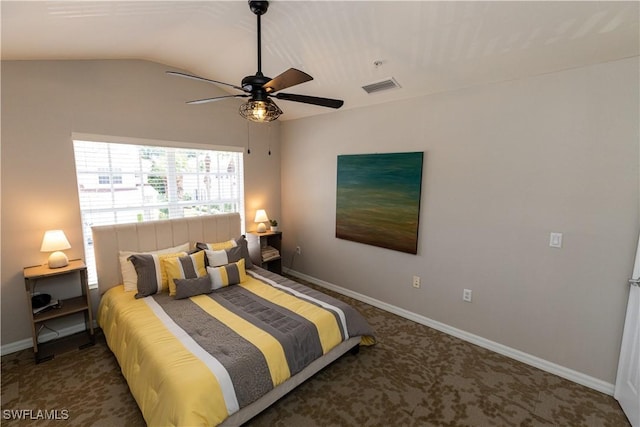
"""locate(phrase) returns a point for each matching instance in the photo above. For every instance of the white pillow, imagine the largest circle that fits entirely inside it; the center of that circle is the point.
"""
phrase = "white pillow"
(129, 276)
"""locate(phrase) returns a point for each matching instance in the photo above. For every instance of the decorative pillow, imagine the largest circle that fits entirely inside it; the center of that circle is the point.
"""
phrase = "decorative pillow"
(129, 276)
(152, 277)
(217, 246)
(185, 267)
(230, 274)
(240, 242)
(223, 257)
(186, 288)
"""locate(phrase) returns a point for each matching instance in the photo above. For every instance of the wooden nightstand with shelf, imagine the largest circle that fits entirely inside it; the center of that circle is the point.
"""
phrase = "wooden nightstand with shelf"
(39, 275)
(265, 250)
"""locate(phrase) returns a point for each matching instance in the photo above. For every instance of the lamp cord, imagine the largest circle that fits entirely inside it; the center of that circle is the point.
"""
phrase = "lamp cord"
(293, 257)
(43, 326)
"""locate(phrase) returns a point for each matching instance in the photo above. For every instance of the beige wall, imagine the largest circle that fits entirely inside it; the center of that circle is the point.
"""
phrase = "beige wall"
(44, 102)
(505, 165)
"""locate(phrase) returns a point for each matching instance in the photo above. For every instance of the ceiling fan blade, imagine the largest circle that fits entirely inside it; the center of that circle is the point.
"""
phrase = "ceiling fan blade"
(202, 79)
(323, 102)
(289, 78)
(217, 98)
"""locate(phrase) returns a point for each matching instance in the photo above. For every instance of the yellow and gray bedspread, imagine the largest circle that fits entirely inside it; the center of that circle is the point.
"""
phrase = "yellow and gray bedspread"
(198, 360)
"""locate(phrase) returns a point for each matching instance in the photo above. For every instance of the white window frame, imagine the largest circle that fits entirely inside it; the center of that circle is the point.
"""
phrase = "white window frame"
(112, 173)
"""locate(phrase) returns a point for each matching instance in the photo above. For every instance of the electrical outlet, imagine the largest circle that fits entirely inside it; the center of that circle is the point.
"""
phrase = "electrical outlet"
(555, 240)
(466, 295)
(416, 282)
(298, 250)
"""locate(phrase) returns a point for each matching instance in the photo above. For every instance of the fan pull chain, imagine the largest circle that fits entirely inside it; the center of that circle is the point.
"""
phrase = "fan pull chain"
(269, 136)
(248, 139)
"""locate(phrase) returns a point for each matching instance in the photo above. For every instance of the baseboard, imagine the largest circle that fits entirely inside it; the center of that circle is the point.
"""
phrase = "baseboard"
(44, 337)
(545, 365)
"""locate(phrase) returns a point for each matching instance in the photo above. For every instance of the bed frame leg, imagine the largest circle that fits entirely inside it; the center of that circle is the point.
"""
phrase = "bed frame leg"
(355, 350)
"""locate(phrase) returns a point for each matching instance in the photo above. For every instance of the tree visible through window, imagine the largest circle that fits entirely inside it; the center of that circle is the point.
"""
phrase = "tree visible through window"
(122, 182)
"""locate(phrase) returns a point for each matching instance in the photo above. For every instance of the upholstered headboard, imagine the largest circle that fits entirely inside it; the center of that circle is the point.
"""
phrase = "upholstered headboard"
(108, 240)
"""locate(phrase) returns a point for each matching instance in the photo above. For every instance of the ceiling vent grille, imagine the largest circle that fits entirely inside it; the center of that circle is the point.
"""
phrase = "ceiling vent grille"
(382, 85)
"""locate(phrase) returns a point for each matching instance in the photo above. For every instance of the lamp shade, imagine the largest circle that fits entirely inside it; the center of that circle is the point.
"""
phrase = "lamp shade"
(261, 218)
(55, 241)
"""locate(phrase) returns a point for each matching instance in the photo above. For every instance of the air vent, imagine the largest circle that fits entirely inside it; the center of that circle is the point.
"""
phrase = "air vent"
(385, 84)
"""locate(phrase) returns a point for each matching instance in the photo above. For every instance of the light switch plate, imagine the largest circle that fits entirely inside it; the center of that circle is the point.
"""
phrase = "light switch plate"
(555, 240)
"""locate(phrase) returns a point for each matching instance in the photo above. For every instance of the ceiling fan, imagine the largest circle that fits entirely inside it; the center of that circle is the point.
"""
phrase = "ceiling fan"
(260, 89)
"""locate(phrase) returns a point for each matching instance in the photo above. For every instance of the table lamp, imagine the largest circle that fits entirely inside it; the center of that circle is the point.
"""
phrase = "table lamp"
(261, 218)
(55, 241)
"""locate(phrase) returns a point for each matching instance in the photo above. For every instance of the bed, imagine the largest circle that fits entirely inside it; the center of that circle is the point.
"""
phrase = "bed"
(211, 357)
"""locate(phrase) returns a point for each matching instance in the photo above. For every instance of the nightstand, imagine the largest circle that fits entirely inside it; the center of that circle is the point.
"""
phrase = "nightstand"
(39, 275)
(265, 250)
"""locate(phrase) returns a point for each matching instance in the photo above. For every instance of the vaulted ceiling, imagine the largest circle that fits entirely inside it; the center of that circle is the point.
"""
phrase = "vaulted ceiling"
(427, 46)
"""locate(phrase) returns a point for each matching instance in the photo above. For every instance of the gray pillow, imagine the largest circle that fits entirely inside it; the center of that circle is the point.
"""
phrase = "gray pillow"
(242, 242)
(242, 249)
(186, 288)
(147, 268)
(223, 257)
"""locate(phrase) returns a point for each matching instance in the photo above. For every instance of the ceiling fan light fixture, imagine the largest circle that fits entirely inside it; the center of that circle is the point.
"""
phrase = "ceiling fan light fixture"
(260, 111)
(258, 87)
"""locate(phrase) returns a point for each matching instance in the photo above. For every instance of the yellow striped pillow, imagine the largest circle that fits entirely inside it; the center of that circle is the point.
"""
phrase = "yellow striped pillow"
(230, 274)
(184, 267)
(218, 246)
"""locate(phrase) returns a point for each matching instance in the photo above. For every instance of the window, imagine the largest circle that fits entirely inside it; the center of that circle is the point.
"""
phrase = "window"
(121, 182)
(106, 177)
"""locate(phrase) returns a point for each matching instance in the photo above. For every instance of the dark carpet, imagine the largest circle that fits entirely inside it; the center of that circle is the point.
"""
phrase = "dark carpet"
(413, 376)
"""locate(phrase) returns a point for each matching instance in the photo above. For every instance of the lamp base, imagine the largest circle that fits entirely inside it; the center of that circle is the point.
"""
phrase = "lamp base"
(58, 259)
(262, 228)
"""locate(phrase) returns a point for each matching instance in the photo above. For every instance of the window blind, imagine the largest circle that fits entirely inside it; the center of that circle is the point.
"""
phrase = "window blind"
(123, 183)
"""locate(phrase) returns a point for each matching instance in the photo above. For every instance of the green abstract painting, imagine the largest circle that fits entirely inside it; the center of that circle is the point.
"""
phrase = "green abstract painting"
(378, 199)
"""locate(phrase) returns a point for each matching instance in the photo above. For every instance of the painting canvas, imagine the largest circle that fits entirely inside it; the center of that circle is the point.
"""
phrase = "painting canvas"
(378, 199)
